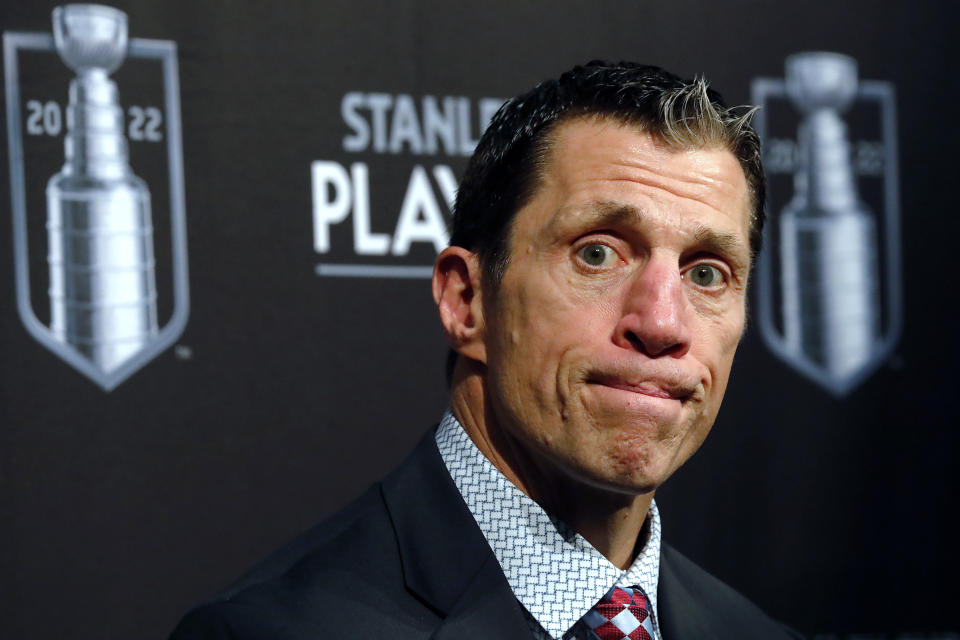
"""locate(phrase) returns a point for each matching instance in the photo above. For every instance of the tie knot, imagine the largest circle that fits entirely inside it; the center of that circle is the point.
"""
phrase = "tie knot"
(621, 614)
(629, 596)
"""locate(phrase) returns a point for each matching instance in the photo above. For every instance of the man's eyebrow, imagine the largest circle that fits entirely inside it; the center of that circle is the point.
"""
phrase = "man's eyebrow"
(600, 214)
(722, 243)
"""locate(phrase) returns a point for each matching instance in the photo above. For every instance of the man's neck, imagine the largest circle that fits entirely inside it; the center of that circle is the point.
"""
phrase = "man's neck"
(609, 520)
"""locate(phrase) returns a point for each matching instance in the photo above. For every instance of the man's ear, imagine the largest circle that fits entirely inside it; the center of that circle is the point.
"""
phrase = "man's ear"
(456, 290)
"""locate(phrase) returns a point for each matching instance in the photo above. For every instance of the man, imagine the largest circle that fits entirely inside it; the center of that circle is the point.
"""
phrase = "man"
(594, 294)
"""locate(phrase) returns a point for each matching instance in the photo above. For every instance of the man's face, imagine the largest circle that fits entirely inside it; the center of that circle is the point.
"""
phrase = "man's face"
(610, 339)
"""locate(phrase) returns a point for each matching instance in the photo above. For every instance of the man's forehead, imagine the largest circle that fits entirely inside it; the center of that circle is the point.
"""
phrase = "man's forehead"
(603, 149)
(572, 138)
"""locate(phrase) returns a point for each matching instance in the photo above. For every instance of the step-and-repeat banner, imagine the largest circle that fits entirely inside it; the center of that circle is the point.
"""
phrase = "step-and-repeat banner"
(215, 319)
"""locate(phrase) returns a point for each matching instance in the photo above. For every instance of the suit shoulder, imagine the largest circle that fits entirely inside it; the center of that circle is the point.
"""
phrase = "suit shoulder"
(313, 580)
(355, 536)
(689, 592)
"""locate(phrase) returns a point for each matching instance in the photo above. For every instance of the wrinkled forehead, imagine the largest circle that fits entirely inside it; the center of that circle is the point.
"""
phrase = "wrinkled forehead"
(601, 149)
(566, 144)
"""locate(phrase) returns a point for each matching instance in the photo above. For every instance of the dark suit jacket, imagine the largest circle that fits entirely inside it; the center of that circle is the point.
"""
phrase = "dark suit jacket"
(406, 560)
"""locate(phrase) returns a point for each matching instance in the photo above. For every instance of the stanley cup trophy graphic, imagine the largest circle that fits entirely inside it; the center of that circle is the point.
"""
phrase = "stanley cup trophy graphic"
(99, 220)
(102, 290)
(828, 243)
(835, 259)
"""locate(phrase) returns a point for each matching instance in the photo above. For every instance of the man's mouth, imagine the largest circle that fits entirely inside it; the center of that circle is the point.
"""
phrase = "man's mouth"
(655, 388)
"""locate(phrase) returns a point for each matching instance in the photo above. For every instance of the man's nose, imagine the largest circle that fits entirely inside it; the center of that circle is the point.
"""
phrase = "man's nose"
(656, 313)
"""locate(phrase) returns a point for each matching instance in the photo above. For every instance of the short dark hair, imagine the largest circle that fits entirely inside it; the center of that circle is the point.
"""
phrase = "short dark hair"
(505, 169)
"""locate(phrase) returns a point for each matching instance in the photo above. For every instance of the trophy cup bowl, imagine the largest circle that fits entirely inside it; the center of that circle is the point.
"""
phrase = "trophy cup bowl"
(821, 80)
(90, 36)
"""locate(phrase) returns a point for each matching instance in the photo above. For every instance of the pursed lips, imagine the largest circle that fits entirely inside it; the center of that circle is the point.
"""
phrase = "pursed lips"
(653, 387)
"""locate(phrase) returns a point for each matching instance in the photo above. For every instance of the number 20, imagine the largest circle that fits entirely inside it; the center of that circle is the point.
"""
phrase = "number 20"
(43, 118)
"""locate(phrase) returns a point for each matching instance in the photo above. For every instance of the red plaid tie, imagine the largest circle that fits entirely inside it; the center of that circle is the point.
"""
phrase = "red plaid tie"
(621, 614)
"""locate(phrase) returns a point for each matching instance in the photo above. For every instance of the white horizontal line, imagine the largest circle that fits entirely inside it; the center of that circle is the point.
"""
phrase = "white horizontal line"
(373, 270)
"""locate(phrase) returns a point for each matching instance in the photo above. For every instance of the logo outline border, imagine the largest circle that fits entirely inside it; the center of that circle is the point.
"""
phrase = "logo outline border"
(882, 92)
(166, 52)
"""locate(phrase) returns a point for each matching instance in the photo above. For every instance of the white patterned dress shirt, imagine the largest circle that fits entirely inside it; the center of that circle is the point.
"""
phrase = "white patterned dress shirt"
(555, 573)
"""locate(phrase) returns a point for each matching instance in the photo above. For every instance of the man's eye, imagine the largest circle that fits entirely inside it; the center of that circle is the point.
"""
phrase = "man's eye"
(705, 275)
(597, 255)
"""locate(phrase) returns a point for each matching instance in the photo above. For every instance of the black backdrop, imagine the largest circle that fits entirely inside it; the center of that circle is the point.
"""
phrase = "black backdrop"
(289, 392)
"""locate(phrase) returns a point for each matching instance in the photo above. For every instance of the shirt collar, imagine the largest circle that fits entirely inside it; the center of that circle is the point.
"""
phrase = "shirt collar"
(555, 573)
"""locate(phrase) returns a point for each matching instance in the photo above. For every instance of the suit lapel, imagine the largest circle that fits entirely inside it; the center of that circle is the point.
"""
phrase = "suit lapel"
(687, 607)
(694, 604)
(446, 560)
(486, 609)
(680, 617)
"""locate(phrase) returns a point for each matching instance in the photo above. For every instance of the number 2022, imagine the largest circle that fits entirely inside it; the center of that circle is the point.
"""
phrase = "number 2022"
(46, 118)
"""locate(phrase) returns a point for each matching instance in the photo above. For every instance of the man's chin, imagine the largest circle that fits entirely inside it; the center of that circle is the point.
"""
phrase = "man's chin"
(630, 480)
